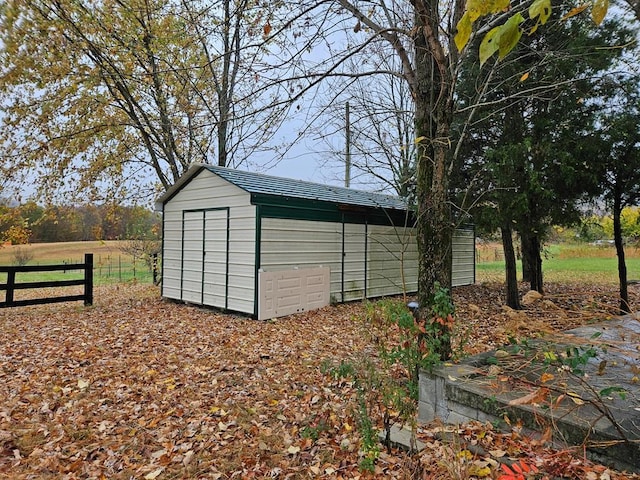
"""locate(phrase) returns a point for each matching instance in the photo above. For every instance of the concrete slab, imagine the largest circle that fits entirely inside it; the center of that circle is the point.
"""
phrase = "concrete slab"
(581, 386)
(401, 436)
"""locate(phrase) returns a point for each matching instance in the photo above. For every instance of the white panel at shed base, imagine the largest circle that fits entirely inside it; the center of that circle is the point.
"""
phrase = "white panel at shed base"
(291, 291)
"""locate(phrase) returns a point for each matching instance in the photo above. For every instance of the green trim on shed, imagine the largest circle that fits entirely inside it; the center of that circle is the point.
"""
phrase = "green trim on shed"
(256, 263)
(304, 209)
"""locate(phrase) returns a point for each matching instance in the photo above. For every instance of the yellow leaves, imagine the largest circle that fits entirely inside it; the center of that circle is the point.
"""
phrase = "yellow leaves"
(480, 470)
(464, 27)
(524, 77)
(505, 37)
(465, 455)
(575, 398)
(217, 411)
(540, 9)
(599, 10)
(575, 11)
(481, 8)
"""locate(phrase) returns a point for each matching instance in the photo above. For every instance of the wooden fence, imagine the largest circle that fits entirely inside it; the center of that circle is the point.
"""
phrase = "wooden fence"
(11, 286)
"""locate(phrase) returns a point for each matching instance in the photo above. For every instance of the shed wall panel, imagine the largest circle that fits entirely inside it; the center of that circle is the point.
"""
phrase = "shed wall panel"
(206, 192)
(355, 266)
(392, 260)
(192, 257)
(215, 258)
(463, 252)
(287, 244)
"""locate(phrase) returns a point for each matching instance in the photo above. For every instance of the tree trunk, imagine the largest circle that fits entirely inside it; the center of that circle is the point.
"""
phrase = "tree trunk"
(434, 113)
(622, 265)
(526, 263)
(531, 249)
(222, 87)
(513, 295)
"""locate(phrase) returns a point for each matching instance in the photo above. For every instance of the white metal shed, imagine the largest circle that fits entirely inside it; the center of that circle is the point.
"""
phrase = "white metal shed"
(270, 246)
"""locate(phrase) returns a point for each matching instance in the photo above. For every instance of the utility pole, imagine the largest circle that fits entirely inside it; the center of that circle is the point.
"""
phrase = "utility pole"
(347, 162)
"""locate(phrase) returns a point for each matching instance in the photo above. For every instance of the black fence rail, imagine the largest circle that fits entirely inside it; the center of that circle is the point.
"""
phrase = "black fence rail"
(11, 286)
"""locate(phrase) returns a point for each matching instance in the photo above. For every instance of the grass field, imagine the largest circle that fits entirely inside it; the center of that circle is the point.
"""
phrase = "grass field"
(564, 263)
(561, 263)
(111, 264)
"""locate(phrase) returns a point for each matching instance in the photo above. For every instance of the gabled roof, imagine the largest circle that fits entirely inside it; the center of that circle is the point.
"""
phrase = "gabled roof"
(258, 183)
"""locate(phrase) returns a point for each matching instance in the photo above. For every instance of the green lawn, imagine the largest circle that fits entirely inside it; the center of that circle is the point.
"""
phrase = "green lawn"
(560, 263)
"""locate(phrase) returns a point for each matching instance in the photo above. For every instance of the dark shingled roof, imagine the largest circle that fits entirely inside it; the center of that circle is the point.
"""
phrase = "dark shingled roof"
(286, 187)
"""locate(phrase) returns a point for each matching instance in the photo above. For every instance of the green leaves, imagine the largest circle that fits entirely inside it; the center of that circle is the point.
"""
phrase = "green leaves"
(501, 39)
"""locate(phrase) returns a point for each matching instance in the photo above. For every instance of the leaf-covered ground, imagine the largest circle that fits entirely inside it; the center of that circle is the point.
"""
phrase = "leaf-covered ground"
(137, 387)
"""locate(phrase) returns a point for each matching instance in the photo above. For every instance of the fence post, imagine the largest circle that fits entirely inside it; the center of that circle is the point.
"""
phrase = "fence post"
(11, 282)
(154, 267)
(88, 279)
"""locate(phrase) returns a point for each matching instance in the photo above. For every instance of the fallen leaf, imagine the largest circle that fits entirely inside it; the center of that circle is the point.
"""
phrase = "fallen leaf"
(153, 475)
(537, 396)
(546, 377)
(576, 398)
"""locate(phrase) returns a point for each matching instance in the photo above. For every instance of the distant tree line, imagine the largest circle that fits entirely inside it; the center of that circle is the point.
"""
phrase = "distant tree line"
(32, 223)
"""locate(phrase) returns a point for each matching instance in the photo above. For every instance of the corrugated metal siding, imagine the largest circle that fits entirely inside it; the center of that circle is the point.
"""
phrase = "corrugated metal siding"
(208, 191)
(192, 257)
(215, 257)
(355, 250)
(463, 270)
(172, 254)
(392, 251)
(287, 244)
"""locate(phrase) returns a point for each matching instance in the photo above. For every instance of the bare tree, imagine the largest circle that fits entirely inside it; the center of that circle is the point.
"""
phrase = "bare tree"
(380, 132)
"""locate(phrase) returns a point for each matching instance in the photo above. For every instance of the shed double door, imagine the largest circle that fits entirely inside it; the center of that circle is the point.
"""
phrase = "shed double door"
(205, 247)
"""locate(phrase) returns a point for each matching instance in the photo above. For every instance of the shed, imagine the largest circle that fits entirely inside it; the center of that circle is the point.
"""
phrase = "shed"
(269, 246)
